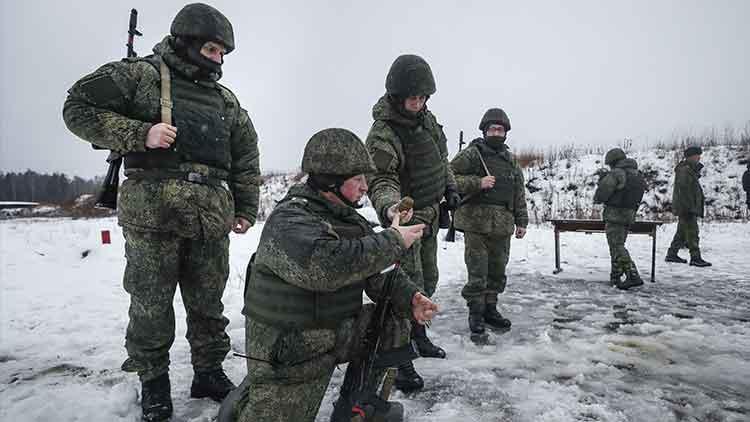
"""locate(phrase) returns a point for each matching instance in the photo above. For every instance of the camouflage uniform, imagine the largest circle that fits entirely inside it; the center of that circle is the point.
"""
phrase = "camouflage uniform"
(176, 230)
(688, 205)
(488, 217)
(614, 191)
(304, 300)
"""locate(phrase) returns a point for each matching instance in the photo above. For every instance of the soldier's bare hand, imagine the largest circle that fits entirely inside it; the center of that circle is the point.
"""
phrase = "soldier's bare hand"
(488, 182)
(520, 232)
(161, 135)
(241, 225)
(404, 216)
(422, 308)
(410, 234)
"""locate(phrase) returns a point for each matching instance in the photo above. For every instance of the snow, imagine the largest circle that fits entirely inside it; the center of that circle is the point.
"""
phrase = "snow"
(579, 350)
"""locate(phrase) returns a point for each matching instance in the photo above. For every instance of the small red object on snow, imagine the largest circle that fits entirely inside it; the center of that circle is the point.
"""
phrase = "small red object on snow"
(105, 237)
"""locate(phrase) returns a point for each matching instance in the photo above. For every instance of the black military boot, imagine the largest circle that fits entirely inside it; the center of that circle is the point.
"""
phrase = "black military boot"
(632, 279)
(214, 384)
(352, 400)
(672, 256)
(407, 378)
(425, 347)
(156, 399)
(494, 319)
(476, 318)
(697, 261)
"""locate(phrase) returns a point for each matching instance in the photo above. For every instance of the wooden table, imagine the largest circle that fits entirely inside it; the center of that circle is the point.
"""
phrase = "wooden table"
(597, 226)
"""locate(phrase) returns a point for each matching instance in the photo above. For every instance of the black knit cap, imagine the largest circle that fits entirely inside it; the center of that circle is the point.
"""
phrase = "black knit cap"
(690, 151)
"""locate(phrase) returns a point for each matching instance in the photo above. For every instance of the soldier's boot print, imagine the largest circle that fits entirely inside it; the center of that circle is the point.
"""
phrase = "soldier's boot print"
(494, 318)
(156, 399)
(632, 279)
(672, 256)
(697, 261)
(407, 378)
(425, 347)
(214, 384)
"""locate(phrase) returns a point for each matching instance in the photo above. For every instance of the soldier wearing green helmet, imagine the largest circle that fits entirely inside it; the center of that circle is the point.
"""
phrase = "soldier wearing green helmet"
(621, 191)
(191, 179)
(491, 180)
(303, 300)
(410, 153)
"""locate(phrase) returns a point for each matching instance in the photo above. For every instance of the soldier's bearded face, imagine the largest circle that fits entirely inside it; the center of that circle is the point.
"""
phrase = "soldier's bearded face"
(415, 103)
(354, 188)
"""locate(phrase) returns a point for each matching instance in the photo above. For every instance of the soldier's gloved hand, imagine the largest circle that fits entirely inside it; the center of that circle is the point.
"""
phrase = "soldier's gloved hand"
(241, 225)
(520, 232)
(410, 234)
(161, 135)
(404, 216)
(452, 198)
(422, 308)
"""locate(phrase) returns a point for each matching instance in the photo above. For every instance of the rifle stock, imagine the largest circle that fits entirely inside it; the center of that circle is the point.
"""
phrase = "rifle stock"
(107, 197)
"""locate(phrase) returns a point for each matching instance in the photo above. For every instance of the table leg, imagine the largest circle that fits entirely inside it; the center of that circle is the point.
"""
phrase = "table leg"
(653, 255)
(557, 252)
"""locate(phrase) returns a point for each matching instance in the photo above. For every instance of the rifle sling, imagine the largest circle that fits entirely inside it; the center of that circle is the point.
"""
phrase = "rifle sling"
(166, 93)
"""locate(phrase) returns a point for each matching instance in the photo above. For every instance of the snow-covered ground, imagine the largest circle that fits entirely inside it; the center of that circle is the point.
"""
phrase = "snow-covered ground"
(579, 350)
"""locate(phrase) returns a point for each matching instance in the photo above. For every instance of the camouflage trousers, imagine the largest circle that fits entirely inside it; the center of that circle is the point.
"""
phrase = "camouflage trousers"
(156, 264)
(486, 256)
(686, 236)
(292, 388)
(621, 263)
(420, 263)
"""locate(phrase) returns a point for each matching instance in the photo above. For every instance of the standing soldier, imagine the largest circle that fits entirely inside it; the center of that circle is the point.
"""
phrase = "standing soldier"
(492, 184)
(410, 153)
(304, 294)
(189, 183)
(621, 191)
(688, 204)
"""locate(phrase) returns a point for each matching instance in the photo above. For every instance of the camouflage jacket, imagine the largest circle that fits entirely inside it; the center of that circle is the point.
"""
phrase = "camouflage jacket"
(299, 246)
(388, 154)
(115, 106)
(746, 181)
(612, 182)
(475, 216)
(687, 197)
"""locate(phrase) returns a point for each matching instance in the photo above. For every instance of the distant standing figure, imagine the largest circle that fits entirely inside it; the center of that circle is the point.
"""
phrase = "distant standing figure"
(688, 204)
(746, 184)
(621, 191)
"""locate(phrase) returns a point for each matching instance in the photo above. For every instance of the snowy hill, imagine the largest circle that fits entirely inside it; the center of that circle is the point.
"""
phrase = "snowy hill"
(564, 187)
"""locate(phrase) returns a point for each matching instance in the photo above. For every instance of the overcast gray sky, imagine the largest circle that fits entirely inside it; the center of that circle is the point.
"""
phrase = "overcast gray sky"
(590, 72)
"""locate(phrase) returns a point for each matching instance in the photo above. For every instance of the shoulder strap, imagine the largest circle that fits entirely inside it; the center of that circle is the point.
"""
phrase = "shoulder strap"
(166, 93)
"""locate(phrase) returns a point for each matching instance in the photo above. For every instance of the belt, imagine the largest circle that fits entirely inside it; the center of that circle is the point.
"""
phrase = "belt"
(193, 177)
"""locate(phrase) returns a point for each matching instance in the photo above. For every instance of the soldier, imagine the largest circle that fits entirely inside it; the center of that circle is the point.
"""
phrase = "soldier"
(621, 191)
(688, 204)
(492, 184)
(410, 153)
(304, 294)
(746, 183)
(188, 185)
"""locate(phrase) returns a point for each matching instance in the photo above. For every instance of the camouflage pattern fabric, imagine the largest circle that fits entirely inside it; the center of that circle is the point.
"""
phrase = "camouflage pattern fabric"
(478, 217)
(387, 152)
(300, 246)
(486, 257)
(203, 22)
(687, 196)
(686, 236)
(156, 264)
(114, 108)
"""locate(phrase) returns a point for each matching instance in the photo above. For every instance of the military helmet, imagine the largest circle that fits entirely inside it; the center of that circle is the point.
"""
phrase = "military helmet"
(203, 22)
(494, 116)
(614, 155)
(336, 152)
(409, 75)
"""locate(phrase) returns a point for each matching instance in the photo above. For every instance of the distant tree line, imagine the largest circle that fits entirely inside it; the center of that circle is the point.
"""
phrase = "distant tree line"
(56, 188)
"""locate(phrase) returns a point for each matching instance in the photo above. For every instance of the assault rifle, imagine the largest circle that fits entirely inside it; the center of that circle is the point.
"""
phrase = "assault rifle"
(107, 197)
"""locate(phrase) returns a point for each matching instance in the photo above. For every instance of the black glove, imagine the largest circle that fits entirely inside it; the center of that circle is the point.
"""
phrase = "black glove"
(452, 198)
